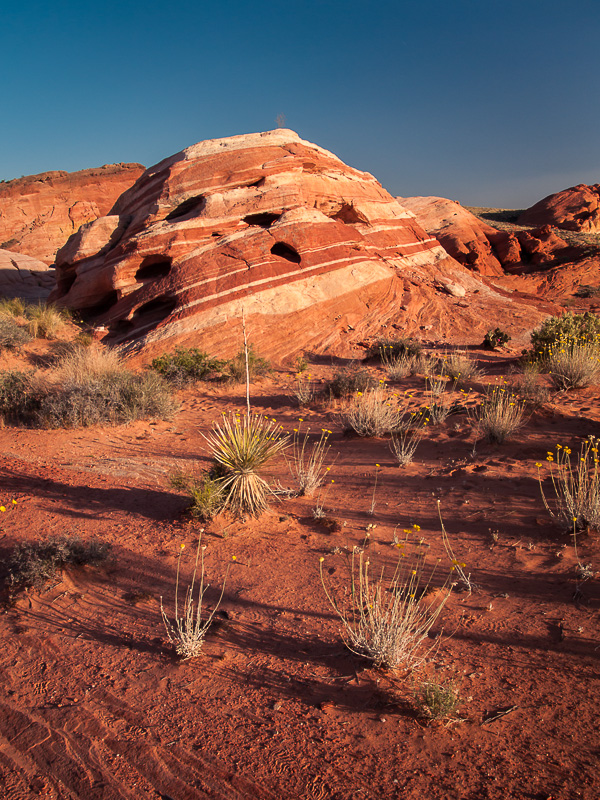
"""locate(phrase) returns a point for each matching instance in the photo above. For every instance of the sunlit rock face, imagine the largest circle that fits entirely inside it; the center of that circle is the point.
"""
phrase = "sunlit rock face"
(38, 213)
(313, 253)
(574, 209)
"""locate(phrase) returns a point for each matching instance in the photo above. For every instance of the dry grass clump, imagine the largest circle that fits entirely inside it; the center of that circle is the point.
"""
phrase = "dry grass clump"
(391, 347)
(459, 366)
(372, 412)
(188, 631)
(240, 446)
(576, 485)
(304, 391)
(574, 365)
(528, 386)
(405, 439)
(499, 415)
(45, 322)
(388, 619)
(400, 365)
(307, 462)
(439, 406)
(33, 564)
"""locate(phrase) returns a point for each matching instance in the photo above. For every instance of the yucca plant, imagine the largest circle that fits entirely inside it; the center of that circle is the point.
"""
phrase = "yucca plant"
(240, 446)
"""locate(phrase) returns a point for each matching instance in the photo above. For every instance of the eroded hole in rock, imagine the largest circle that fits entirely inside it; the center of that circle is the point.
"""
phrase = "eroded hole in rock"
(120, 327)
(264, 219)
(153, 267)
(185, 208)
(349, 214)
(257, 184)
(285, 251)
(102, 306)
(154, 311)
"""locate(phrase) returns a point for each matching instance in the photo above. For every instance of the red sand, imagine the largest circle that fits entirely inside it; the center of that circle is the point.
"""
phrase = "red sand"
(96, 706)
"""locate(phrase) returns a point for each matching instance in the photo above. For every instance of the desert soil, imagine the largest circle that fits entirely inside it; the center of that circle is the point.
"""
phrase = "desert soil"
(96, 706)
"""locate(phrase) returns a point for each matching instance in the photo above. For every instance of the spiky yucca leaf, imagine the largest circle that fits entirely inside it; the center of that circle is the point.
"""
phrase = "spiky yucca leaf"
(242, 445)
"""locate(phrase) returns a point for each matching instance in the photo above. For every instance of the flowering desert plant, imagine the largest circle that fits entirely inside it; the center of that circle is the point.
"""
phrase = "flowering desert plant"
(575, 481)
(188, 631)
(574, 364)
(372, 412)
(499, 415)
(307, 461)
(241, 446)
(388, 619)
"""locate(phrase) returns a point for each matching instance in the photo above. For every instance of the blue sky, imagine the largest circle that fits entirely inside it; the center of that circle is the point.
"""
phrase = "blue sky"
(489, 102)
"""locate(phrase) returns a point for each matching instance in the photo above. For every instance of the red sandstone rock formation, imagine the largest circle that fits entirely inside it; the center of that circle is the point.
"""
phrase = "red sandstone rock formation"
(25, 277)
(38, 213)
(574, 209)
(479, 246)
(315, 253)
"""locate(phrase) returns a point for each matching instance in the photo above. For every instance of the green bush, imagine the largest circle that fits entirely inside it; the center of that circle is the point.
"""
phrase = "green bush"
(348, 381)
(568, 328)
(33, 564)
(186, 365)
(495, 338)
(235, 369)
(205, 492)
(394, 347)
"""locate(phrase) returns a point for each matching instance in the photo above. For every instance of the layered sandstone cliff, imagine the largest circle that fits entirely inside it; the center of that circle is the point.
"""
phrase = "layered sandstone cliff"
(38, 213)
(316, 254)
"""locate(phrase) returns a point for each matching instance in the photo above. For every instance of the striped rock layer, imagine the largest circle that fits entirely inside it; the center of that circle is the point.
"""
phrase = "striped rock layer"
(313, 253)
(38, 213)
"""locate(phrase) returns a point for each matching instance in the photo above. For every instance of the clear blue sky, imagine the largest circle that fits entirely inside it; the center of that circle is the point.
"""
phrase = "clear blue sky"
(489, 102)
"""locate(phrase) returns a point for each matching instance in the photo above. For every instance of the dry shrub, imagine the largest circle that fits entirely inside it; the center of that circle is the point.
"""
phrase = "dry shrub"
(499, 415)
(459, 366)
(372, 413)
(33, 564)
(12, 335)
(187, 632)
(389, 619)
(304, 391)
(307, 462)
(528, 386)
(398, 366)
(405, 439)
(240, 446)
(574, 365)
(90, 387)
(576, 485)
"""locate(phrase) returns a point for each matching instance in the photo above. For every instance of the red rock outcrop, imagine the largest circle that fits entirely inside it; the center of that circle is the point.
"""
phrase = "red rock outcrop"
(481, 247)
(38, 213)
(314, 253)
(25, 277)
(574, 209)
